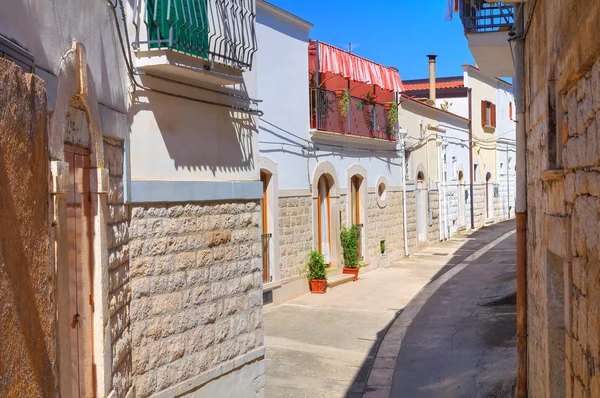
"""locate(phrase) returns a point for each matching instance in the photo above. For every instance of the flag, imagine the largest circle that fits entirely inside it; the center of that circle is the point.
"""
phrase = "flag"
(449, 7)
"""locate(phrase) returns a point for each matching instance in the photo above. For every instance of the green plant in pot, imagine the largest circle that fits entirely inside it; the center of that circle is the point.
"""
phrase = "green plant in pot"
(316, 272)
(345, 103)
(350, 238)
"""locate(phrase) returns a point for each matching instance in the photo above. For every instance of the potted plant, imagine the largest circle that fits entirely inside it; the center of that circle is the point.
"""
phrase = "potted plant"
(345, 103)
(350, 242)
(316, 272)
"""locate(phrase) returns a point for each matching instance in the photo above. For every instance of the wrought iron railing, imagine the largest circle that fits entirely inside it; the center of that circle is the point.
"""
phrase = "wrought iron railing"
(478, 16)
(222, 31)
(359, 118)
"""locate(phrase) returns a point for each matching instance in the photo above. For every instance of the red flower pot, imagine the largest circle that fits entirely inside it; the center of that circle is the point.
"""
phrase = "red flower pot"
(318, 286)
(352, 271)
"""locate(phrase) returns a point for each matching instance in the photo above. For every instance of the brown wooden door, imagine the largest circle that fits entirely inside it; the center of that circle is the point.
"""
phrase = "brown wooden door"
(324, 219)
(79, 269)
(355, 209)
(266, 236)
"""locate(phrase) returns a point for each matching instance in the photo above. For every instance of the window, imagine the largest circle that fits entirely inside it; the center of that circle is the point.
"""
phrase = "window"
(382, 196)
(488, 114)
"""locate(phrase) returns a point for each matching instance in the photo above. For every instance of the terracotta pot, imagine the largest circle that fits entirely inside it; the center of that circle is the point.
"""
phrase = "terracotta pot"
(318, 286)
(339, 93)
(352, 271)
(388, 106)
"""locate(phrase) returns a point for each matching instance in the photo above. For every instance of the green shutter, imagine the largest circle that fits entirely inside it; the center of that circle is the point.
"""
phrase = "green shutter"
(188, 20)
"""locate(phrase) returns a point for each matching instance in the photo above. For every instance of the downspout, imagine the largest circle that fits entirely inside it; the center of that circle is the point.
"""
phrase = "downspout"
(469, 95)
(402, 135)
(507, 186)
(521, 209)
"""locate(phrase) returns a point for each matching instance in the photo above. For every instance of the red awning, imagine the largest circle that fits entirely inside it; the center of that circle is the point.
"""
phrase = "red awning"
(340, 62)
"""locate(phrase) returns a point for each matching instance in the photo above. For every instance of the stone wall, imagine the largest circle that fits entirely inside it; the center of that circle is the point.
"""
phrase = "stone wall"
(411, 221)
(27, 308)
(196, 287)
(384, 224)
(479, 204)
(562, 73)
(433, 230)
(119, 298)
(295, 234)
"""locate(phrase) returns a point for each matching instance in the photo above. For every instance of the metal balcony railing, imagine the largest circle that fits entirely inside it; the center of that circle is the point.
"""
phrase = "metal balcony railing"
(222, 31)
(361, 119)
(479, 16)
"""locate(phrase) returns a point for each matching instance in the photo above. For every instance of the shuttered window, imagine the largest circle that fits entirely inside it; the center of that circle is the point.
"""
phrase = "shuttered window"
(488, 114)
(179, 25)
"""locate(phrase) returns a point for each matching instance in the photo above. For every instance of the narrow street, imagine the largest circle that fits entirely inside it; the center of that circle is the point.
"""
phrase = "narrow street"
(387, 333)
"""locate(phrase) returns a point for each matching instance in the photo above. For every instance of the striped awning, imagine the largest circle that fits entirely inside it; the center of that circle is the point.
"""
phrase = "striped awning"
(351, 66)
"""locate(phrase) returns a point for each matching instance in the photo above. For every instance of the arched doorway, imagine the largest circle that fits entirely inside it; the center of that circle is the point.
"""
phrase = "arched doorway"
(488, 196)
(266, 234)
(462, 201)
(421, 208)
(324, 218)
(355, 208)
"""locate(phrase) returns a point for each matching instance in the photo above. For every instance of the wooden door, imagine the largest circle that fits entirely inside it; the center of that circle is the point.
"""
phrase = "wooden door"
(324, 219)
(79, 271)
(355, 209)
(266, 236)
(421, 212)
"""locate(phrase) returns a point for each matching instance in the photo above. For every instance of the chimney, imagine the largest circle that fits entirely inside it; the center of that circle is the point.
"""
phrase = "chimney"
(432, 58)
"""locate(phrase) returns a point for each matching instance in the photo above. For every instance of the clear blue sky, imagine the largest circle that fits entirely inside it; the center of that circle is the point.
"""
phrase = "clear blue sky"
(391, 32)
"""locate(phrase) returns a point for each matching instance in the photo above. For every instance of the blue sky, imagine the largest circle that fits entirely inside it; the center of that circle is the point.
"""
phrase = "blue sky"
(392, 32)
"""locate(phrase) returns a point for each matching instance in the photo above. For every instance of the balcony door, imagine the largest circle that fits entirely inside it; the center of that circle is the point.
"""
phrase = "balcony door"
(324, 219)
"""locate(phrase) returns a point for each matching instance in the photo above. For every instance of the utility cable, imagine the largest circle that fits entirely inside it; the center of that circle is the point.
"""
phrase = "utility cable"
(132, 73)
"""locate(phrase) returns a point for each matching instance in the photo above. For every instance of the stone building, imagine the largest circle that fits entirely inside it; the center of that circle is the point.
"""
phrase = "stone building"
(556, 66)
(492, 111)
(130, 200)
(329, 157)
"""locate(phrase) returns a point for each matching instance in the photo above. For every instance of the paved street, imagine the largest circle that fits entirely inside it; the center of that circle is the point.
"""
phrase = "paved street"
(332, 345)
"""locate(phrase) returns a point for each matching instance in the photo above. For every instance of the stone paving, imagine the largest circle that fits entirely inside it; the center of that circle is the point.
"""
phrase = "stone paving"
(328, 345)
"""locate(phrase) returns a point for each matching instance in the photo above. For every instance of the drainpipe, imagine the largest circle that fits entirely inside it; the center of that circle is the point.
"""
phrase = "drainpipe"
(469, 95)
(402, 135)
(521, 209)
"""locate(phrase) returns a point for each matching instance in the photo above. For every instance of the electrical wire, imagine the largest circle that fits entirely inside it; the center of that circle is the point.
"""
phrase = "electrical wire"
(132, 72)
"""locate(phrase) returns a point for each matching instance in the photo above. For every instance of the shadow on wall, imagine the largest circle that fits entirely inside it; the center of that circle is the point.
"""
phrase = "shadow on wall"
(197, 136)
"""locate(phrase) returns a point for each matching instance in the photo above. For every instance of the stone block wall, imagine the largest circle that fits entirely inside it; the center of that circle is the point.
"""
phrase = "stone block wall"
(295, 234)
(119, 297)
(28, 358)
(384, 224)
(562, 71)
(479, 204)
(196, 295)
(507, 190)
(411, 220)
(433, 230)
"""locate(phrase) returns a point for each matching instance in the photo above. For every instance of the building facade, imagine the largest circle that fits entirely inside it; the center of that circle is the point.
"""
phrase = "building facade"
(329, 156)
(147, 197)
(557, 75)
(489, 103)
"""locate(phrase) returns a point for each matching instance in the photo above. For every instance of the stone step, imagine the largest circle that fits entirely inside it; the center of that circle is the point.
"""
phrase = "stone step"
(339, 279)
(334, 271)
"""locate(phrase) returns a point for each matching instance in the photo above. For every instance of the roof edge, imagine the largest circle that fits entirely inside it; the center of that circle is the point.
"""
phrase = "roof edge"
(434, 108)
(283, 14)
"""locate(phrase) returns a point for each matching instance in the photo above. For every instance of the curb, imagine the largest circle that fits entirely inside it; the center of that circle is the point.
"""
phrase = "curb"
(381, 375)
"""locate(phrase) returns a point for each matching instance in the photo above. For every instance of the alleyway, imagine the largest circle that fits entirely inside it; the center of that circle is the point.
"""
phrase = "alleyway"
(330, 345)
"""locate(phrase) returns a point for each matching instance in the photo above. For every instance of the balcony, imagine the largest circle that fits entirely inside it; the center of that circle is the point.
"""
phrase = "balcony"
(337, 112)
(208, 40)
(487, 26)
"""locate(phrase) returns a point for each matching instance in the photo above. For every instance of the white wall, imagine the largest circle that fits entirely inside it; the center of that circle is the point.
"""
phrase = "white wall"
(284, 130)
(459, 105)
(48, 28)
(282, 67)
